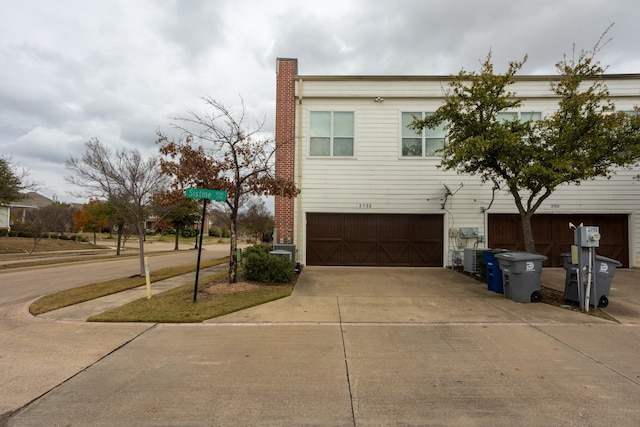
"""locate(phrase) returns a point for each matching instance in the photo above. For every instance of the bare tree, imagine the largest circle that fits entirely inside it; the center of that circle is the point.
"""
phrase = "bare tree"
(256, 218)
(56, 217)
(124, 179)
(218, 151)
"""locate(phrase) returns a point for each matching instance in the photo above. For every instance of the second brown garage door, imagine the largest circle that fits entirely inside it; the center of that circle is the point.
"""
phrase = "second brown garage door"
(553, 237)
(374, 240)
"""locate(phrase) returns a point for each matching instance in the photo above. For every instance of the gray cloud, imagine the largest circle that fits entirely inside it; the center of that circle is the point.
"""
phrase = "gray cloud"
(120, 70)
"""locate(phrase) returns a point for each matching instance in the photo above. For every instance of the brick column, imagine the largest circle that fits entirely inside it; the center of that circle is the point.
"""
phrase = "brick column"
(286, 71)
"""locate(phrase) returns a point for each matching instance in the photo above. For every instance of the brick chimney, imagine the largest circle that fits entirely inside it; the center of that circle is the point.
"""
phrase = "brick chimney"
(286, 71)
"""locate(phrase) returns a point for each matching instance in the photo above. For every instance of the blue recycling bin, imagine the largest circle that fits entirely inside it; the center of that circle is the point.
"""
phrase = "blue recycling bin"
(494, 274)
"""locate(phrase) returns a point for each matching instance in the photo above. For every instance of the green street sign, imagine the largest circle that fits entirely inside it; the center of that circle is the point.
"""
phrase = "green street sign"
(204, 193)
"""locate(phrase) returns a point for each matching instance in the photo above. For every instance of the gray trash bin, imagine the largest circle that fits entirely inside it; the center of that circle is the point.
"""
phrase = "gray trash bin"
(605, 269)
(521, 275)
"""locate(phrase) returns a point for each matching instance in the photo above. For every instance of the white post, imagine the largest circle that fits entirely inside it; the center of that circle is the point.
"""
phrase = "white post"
(589, 273)
(148, 278)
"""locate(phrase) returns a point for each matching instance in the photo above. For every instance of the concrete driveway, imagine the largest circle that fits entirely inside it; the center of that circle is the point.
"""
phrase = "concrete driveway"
(404, 295)
(362, 347)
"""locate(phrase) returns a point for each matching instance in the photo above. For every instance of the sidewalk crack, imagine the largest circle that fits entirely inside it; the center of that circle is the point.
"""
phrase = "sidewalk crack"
(346, 362)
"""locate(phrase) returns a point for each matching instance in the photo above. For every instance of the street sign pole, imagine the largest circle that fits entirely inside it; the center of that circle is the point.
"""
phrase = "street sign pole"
(204, 194)
(204, 213)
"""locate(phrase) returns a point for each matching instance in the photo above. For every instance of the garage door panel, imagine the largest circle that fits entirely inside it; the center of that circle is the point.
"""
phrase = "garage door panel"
(425, 251)
(325, 252)
(428, 228)
(553, 237)
(375, 239)
(359, 227)
(394, 253)
(393, 227)
(359, 253)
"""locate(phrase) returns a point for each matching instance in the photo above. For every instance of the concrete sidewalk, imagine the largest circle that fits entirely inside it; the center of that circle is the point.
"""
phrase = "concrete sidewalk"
(362, 347)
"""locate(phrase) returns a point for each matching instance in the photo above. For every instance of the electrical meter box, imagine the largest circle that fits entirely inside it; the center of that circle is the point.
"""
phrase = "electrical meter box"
(587, 237)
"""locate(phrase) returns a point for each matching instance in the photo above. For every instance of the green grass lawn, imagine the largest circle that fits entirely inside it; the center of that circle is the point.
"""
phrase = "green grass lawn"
(172, 306)
(96, 290)
(177, 306)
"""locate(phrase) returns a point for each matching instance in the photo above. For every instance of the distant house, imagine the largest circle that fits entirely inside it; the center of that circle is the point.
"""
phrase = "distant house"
(5, 211)
(372, 193)
(16, 211)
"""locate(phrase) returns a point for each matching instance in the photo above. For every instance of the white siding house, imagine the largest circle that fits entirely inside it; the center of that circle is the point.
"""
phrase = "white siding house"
(372, 193)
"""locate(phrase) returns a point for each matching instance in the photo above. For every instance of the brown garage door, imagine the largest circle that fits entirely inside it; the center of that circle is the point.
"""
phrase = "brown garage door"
(374, 239)
(553, 236)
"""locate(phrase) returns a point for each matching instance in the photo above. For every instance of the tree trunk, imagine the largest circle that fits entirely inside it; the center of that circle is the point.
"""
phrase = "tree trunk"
(233, 261)
(94, 238)
(141, 236)
(175, 248)
(527, 232)
(119, 241)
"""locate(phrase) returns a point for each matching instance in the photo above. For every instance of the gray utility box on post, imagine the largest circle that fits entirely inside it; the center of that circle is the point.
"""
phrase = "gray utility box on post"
(521, 275)
(605, 269)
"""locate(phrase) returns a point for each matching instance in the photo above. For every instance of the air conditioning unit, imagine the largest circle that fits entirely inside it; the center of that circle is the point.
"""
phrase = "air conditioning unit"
(286, 247)
(281, 252)
(289, 248)
(473, 259)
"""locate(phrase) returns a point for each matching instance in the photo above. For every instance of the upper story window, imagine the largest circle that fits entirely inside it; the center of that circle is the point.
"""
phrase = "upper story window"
(522, 116)
(331, 133)
(425, 143)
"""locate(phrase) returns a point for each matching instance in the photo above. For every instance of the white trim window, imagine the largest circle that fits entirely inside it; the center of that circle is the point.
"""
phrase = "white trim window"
(523, 116)
(425, 143)
(331, 133)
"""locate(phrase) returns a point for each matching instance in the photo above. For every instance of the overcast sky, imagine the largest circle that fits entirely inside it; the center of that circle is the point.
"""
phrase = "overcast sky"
(120, 70)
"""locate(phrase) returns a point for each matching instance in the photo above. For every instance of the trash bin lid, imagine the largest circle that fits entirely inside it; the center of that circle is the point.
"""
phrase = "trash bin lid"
(608, 260)
(280, 252)
(520, 256)
(497, 251)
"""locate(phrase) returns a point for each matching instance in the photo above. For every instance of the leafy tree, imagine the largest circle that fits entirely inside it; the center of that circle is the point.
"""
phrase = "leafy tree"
(13, 182)
(218, 151)
(94, 217)
(179, 211)
(585, 138)
(126, 180)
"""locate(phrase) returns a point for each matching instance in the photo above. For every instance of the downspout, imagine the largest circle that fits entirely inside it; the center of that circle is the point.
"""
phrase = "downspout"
(298, 148)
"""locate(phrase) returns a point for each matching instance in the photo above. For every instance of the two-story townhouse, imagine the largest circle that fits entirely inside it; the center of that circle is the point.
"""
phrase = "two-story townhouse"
(372, 193)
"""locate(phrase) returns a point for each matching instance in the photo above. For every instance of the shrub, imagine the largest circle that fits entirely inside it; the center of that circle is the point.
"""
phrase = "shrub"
(262, 267)
(215, 231)
(4, 232)
(190, 232)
